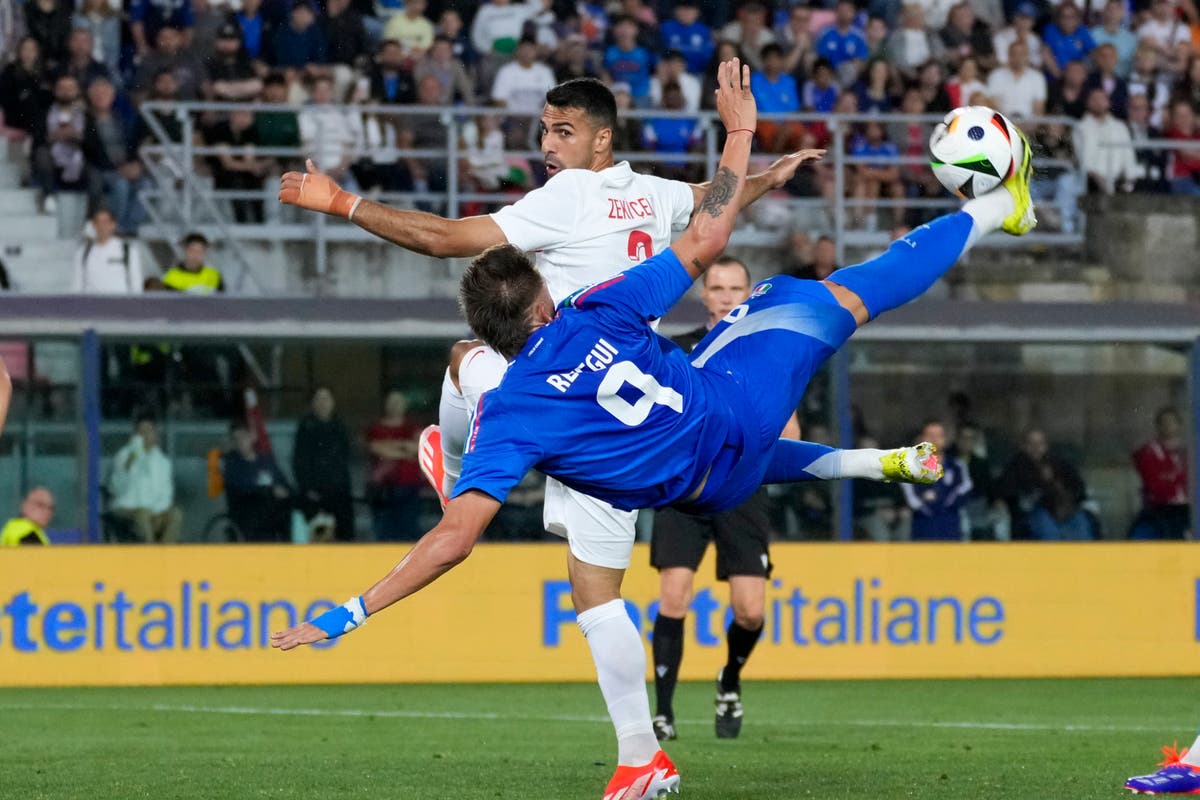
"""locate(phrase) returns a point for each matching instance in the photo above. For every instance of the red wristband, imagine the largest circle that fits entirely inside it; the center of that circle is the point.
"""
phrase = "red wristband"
(741, 130)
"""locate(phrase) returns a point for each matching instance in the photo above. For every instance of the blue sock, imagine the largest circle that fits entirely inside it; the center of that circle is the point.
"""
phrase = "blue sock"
(791, 460)
(910, 266)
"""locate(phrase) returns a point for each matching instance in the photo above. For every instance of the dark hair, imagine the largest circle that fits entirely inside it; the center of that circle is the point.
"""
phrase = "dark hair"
(731, 261)
(1167, 411)
(275, 79)
(771, 49)
(825, 63)
(195, 237)
(497, 290)
(145, 416)
(590, 96)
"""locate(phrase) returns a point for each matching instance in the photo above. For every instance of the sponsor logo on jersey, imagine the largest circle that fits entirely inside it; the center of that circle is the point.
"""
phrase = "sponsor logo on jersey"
(629, 209)
(598, 358)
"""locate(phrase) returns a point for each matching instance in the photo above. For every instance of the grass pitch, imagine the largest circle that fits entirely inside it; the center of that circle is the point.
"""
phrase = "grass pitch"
(1006, 740)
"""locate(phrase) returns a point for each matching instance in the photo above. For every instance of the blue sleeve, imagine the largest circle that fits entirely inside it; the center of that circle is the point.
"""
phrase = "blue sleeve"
(1089, 44)
(641, 294)
(187, 18)
(610, 55)
(499, 449)
(137, 11)
(824, 44)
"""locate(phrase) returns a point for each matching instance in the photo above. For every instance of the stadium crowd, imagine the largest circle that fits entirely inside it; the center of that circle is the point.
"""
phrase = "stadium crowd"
(1127, 71)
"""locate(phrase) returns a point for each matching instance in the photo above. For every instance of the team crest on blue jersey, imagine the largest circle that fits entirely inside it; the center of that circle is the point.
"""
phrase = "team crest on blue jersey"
(760, 290)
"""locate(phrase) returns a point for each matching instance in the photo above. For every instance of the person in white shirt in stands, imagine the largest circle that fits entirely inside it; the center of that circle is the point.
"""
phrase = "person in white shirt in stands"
(1018, 90)
(1104, 146)
(330, 133)
(1164, 31)
(521, 86)
(143, 488)
(1021, 30)
(673, 69)
(106, 263)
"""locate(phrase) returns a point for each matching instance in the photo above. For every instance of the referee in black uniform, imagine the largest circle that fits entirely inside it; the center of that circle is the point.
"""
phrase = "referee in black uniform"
(741, 536)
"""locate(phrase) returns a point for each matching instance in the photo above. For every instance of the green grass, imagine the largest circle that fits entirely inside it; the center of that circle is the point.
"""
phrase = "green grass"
(1073, 739)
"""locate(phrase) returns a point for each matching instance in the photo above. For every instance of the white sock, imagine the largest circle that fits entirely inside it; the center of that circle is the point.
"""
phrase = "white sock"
(860, 463)
(453, 421)
(1193, 754)
(621, 670)
(989, 212)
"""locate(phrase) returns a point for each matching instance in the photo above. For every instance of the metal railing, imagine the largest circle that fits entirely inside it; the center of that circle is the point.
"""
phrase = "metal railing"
(183, 200)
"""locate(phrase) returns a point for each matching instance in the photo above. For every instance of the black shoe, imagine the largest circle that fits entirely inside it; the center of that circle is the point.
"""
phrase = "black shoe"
(729, 712)
(664, 728)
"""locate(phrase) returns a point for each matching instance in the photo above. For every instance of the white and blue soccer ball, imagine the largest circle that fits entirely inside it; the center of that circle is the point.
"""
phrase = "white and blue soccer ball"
(973, 150)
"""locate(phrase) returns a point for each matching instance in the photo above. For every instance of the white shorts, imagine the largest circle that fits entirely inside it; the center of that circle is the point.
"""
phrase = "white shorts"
(597, 533)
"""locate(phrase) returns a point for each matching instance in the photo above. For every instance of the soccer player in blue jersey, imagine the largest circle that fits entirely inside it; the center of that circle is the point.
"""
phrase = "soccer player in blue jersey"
(639, 423)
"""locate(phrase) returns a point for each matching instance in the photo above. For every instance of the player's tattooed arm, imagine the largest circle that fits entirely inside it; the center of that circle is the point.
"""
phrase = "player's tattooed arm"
(773, 177)
(720, 191)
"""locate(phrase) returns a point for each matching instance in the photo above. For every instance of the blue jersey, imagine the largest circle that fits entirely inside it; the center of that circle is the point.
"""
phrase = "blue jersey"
(604, 404)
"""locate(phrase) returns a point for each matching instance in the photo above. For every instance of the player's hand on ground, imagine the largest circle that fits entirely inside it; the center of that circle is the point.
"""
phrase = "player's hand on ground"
(735, 102)
(315, 191)
(785, 168)
(304, 633)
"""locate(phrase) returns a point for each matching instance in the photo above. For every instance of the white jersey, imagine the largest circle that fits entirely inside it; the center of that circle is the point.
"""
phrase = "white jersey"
(585, 227)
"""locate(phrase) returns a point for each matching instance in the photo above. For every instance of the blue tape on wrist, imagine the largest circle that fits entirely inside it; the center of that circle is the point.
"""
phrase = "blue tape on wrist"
(341, 620)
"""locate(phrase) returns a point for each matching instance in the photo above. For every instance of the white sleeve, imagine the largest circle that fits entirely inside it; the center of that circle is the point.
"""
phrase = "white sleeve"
(1039, 93)
(544, 218)
(680, 202)
(500, 85)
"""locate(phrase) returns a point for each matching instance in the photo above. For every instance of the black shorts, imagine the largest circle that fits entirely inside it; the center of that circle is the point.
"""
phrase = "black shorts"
(741, 535)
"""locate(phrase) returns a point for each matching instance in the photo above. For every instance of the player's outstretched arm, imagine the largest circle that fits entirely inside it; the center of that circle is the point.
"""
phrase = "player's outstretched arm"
(712, 223)
(5, 393)
(423, 233)
(773, 177)
(436, 553)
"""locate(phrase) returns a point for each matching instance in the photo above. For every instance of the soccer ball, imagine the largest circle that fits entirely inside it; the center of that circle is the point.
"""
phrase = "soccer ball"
(973, 150)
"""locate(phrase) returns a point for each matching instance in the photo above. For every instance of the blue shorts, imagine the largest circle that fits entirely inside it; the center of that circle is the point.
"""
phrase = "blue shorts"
(769, 348)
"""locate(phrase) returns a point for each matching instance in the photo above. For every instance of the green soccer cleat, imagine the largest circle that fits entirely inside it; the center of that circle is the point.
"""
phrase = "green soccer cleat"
(916, 464)
(1022, 220)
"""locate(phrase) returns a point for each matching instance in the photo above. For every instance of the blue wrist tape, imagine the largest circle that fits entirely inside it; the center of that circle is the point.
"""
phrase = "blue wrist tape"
(342, 619)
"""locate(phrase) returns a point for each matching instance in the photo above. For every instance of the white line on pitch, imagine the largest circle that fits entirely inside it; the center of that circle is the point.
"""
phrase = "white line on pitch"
(501, 717)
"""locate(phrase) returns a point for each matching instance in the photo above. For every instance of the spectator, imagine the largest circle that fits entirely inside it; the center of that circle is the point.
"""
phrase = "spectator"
(843, 44)
(966, 36)
(628, 62)
(673, 69)
(1018, 90)
(236, 167)
(24, 97)
(880, 511)
(970, 449)
(148, 17)
(937, 509)
(58, 163)
(276, 128)
(202, 38)
(193, 274)
(932, 83)
(1146, 79)
(345, 33)
(1104, 147)
(1021, 30)
(411, 29)
(1152, 162)
(724, 52)
(1065, 40)
(573, 59)
(877, 34)
(821, 92)
(329, 133)
(107, 264)
(1105, 77)
(672, 135)
(686, 34)
(321, 465)
(1163, 31)
(498, 26)
(1185, 164)
(627, 136)
(1057, 188)
(797, 40)
(454, 86)
(823, 263)
(450, 25)
(170, 56)
(391, 80)
(164, 89)
(1188, 87)
(300, 43)
(873, 181)
(750, 32)
(1023, 484)
(29, 527)
(49, 22)
(256, 34)
(257, 494)
(521, 87)
(232, 78)
(965, 84)
(776, 92)
(912, 44)
(1112, 30)
(1068, 95)
(912, 138)
(142, 486)
(1059, 514)
(79, 63)
(394, 484)
(114, 173)
(1161, 465)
